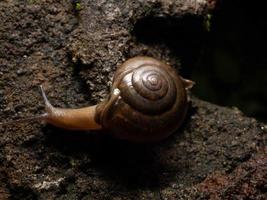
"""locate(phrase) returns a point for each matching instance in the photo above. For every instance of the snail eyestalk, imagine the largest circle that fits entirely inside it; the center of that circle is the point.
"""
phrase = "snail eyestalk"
(72, 119)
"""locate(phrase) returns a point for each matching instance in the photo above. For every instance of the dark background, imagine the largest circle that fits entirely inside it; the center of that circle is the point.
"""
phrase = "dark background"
(232, 70)
(224, 52)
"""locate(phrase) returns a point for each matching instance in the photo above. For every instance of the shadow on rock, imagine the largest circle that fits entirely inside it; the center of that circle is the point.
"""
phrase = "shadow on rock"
(97, 154)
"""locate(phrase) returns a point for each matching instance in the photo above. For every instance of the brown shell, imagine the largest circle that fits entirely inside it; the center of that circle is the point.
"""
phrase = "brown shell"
(148, 101)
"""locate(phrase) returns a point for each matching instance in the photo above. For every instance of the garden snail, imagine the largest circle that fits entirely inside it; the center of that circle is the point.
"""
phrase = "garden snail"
(148, 102)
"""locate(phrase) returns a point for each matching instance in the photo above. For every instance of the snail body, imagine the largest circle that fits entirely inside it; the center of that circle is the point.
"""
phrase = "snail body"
(148, 102)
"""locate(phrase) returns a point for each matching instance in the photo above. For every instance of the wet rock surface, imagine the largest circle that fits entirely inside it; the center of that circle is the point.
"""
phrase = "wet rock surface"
(72, 48)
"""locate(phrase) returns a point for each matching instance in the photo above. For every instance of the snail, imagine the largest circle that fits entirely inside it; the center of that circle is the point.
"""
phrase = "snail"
(147, 103)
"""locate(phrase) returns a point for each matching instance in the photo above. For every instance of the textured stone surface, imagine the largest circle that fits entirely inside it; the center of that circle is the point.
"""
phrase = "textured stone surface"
(73, 54)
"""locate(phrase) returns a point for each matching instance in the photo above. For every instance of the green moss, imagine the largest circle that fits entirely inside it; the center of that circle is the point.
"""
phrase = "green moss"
(31, 1)
(78, 6)
(207, 22)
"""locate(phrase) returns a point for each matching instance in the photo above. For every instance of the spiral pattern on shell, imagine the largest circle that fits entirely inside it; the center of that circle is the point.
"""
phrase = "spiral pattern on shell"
(147, 89)
(148, 101)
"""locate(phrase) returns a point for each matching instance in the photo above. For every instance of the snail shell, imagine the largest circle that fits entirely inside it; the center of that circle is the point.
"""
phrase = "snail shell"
(148, 101)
